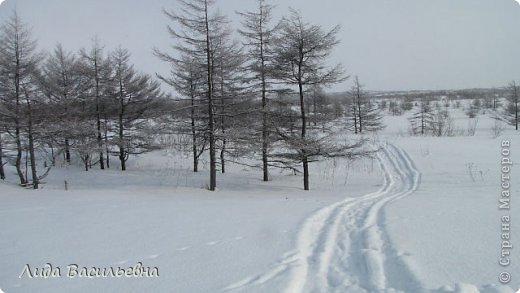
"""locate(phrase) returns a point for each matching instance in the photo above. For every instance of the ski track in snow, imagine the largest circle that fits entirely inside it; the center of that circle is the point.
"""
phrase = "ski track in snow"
(344, 247)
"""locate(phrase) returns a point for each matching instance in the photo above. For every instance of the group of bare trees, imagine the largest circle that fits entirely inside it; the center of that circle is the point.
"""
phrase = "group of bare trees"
(85, 105)
(19, 89)
(242, 97)
(258, 98)
(366, 115)
(510, 113)
(429, 119)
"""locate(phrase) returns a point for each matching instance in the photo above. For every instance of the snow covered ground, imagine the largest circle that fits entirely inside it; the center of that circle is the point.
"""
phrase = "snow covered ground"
(421, 217)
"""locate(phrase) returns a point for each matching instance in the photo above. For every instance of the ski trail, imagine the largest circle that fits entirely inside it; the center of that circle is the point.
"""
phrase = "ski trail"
(344, 247)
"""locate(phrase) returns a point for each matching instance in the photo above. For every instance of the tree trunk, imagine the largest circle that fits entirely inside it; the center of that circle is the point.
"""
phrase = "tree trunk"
(35, 180)
(19, 149)
(423, 123)
(27, 165)
(265, 134)
(304, 133)
(98, 117)
(194, 135)
(223, 157)
(107, 151)
(305, 173)
(315, 110)
(122, 154)
(355, 118)
(222, 120)
(516, 110)
(67, 150)
(359, 111)
(53, 157)
(19, 154)
(87, 159)
(211, 126)
(224, 141)
(2, 172)
(122, 158)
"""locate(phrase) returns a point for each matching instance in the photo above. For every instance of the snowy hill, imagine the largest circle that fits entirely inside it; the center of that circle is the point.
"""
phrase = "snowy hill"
(421, 217)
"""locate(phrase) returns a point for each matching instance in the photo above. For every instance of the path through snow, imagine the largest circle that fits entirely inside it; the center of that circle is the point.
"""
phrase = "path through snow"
(344, 247)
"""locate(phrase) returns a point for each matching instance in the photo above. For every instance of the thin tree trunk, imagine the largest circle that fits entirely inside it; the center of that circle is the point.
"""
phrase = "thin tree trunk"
(222, 156)
(265, 133)
(19, 154)
(304, 133)
(106, 142)
(67, 150)
(27, 165)
(359, 111)
(122, 158)
(19, 149)
(222, 120)
(53, 158)
(87, 159)
(315, 110)
(516, 109)
(100, 141)
(194, 136)
(2, 172)
(35, 180)
(355, 118)
(211, 126)
(122, 155)
(223, 150)
(98, 115)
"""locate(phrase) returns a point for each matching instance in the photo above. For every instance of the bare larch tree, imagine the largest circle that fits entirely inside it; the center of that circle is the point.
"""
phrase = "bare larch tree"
(259, 33)
(300, 54)
(196, 38)
(18, 61)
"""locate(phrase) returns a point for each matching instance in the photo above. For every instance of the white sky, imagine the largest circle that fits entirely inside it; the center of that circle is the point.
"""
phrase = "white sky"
(390, 44)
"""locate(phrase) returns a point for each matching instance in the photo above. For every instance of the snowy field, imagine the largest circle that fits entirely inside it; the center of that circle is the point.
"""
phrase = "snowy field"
(422, 216)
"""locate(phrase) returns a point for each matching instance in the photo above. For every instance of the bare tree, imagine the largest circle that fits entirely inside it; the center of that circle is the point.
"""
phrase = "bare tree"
(196, 38)
(510, 113)
(187, 78)
(442, 123)
(367, 116)
(356, 106)
(18, 60)
(2, 172)
(64, 86)
(422, 121)
(97, 67)
(301, 51)
(228, 67)
(259, 34)
(135, 94)
(394, 109)
(494, 97)
(32, 95)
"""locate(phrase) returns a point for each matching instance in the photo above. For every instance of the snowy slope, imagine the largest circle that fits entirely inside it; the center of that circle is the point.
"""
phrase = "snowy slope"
(421, 217)
(343, 247)
(200, 241)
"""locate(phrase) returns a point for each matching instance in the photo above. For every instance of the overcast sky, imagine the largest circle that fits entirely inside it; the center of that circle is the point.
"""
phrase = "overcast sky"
(390, 44)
